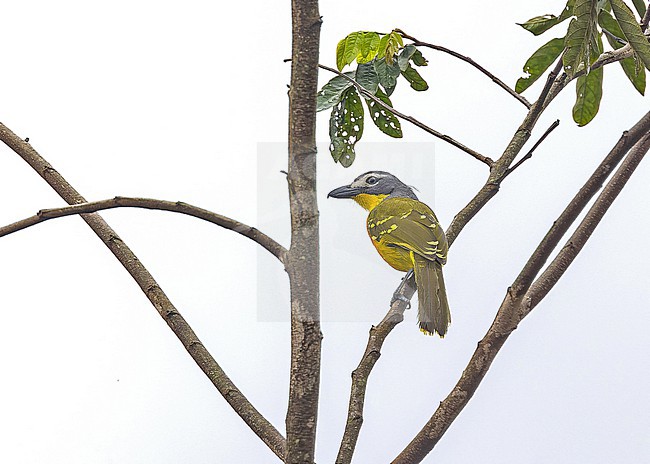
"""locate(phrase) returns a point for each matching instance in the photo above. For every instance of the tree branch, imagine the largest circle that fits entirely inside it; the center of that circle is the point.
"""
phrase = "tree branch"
(412, 120)
(529, 155)
(252, 233)
(258, 424)
(467, 59)
(303, 260)
(360, 375)
(511, 312)
(396, 312)
(577, 205)
(576, 242)
(501, 166)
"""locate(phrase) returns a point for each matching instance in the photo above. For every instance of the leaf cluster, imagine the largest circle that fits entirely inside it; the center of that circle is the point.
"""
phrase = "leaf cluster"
(582, 45)
(381, 60)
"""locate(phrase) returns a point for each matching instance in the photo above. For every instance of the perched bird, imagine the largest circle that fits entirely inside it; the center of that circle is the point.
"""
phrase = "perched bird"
(406, 233)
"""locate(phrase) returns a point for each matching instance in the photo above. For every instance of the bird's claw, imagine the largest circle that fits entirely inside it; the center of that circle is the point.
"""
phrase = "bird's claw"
(400, 297)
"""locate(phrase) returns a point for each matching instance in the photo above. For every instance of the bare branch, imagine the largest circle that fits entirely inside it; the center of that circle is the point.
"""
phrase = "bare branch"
(529, 155)
(258, 424)
(577, 204)
(412, 120)
(513, 309)
(576, 242)
(467, 59)
(645, 20)
(252, 233)
(360, 375)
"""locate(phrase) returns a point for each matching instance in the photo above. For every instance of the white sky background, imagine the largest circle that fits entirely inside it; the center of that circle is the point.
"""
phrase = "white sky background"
(178, 102)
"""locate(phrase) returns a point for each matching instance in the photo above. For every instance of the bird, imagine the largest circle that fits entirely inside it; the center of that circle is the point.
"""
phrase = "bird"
(408, 236)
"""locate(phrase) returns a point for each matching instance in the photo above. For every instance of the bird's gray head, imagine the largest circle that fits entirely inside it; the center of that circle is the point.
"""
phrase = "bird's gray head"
(373, 183)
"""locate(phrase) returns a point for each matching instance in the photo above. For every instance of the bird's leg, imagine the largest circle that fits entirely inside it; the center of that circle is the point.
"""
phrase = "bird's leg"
(398, 293)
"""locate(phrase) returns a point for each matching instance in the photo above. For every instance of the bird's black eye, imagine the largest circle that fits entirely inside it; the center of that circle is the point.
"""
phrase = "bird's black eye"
(371, 180)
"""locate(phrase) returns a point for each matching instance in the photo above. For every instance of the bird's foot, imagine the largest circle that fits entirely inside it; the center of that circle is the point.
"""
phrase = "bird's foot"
(399, 297)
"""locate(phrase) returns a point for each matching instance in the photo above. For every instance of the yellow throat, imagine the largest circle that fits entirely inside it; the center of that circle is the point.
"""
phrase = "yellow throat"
(369, 202)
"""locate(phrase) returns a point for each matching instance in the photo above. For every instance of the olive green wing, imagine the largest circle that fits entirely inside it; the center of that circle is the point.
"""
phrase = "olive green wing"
(411, 225)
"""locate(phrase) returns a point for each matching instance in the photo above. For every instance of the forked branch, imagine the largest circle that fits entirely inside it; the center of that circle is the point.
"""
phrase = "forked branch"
(513, 309)
(260, 426)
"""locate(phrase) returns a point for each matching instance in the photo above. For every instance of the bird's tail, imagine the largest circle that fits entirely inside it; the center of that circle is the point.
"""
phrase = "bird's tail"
(433, 308)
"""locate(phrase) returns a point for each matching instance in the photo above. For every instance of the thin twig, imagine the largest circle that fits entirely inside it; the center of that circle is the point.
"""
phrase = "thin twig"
(412, 120)
(467, 59)
(251, 416)
(252, 233)
(646, 19)
(529, 155)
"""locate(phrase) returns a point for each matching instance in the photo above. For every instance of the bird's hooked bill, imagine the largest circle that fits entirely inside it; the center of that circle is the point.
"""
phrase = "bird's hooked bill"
(345, 191)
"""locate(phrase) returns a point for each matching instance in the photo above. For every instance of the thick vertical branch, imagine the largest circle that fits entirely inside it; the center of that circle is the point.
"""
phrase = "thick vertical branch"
(303, 259)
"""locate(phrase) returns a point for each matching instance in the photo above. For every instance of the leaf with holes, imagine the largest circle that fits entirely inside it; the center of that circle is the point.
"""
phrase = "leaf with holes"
(346, 127)
(414, 78)
(387, 74)
(347, 49)
(367, 77)
(331, 92)
(385, 120)
(539, 62)
(540, 24)
(368, 47)
(632, 66)
(632, 31)
(580, 41)
(405, 55)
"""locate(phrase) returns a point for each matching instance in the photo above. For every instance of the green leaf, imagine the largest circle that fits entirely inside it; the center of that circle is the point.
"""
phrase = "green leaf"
(539, 62)
(640, 7)
(388, 74)
(414, 78)
(383, 44)
(395, 42)
(368, 47)
(385, 120)
(540, 24)
(608, 23)
(405, 56)
(632, 31)
(580, 40)
(589, 91)
(346, 127)
(347, 49)
(634, 72)
(367, 77)
(331, 92)
(418, 59)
